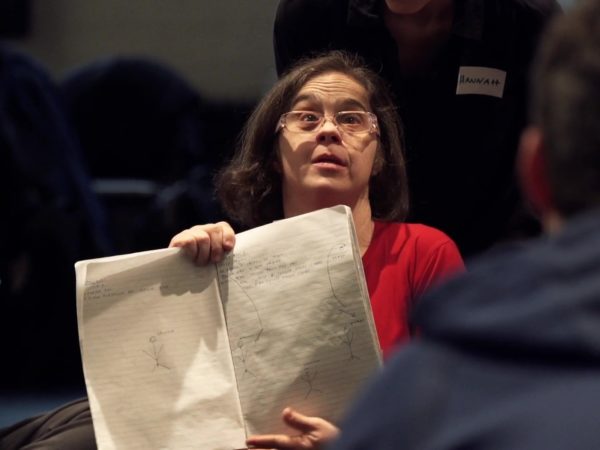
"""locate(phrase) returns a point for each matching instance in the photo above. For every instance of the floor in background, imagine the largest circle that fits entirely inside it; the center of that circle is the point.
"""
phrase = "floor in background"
(16, 406)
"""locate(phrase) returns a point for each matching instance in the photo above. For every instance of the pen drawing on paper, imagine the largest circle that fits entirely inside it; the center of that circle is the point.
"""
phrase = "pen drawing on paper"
(155, 353)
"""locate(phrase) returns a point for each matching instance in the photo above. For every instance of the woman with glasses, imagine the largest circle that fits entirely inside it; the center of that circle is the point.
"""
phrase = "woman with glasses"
(326, 134)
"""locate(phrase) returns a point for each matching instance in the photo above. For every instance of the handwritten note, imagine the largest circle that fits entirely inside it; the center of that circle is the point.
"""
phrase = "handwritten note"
(177, 356)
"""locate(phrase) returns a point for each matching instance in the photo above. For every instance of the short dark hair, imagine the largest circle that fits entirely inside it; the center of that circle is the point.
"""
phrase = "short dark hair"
(249, 187)
(566, 106)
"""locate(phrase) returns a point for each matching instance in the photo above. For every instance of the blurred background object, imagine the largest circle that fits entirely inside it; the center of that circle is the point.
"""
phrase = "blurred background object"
(50, 218)
(15, 18)
(115, 116)
(144, 131)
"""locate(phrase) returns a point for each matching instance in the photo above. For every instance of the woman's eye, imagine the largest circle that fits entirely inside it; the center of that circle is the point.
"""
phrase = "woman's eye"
(350, 119)
(309, 117)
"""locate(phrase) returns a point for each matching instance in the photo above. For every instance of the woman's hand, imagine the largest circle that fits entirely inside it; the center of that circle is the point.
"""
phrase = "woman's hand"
(314, 434)
(206, 243)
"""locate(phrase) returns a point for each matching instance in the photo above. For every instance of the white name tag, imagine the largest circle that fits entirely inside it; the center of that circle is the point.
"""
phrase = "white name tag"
(480, 81)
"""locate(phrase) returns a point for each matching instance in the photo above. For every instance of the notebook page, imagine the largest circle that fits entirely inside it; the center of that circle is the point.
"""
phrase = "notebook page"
(155, 352)
(299, 327)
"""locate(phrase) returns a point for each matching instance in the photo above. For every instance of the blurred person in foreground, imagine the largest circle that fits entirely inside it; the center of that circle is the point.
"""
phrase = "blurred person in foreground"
(509, 355)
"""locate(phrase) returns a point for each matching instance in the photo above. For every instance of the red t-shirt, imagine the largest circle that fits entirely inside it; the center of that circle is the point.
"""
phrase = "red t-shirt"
(402, 261)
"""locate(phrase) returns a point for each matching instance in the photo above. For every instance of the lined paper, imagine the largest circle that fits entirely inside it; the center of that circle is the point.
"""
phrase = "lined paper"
(156, 355)
(298, 318)
(178, 356)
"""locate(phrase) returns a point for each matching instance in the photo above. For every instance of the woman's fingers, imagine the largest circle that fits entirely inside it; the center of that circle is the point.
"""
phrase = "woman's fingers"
(206, 243)
(314, 433)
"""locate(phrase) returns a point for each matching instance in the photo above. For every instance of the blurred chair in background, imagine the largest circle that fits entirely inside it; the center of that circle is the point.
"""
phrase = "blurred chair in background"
(116, 159)
(143, 132)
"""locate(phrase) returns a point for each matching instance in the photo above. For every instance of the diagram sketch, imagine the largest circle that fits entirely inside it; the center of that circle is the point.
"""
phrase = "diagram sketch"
(241, 353)
(348, 338)
(255, 336)
(242, 349)
(155, 353)
(309, 376)
(336, 303)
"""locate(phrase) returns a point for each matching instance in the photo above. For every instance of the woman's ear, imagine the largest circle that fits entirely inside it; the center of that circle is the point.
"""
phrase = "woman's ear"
(533, 171)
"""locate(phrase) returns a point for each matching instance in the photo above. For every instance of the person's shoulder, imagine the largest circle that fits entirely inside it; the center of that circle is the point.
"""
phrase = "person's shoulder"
(21, 66)
(423, 238)
(426, 234)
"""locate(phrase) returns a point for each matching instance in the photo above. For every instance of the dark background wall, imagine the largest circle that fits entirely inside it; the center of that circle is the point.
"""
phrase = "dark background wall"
(223, 47)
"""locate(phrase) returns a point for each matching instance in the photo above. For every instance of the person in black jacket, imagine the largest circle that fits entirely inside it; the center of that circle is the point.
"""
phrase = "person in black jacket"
(509, 355)
(458, 70)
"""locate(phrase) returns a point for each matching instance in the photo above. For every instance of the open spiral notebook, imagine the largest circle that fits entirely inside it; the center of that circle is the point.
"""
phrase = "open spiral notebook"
(177, 356)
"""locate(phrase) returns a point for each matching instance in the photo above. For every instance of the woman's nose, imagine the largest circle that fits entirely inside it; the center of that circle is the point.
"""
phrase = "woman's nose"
(329, 133)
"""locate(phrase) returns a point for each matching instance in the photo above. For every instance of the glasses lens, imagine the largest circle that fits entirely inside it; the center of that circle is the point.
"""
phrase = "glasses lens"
(353, 121)
(302, 121)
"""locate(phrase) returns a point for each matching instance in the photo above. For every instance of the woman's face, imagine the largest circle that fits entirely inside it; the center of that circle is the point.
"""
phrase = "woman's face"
(326, 161)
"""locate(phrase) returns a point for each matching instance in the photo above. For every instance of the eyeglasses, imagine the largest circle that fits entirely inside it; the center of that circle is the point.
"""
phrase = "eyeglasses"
(352, 122)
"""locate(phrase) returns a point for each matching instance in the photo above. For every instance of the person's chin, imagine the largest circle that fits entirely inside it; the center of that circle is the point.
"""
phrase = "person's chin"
(328, 186)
